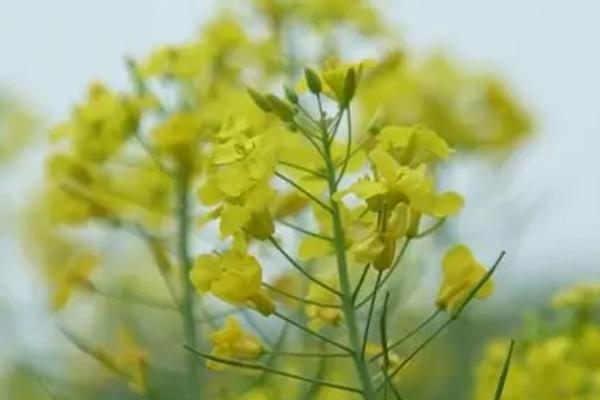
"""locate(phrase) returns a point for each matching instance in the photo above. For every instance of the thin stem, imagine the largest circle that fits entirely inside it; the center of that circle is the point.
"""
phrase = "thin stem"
(246, 365)
(348, 147)
(162, 263)
(298, 298)
(312, 333)
(335, 125)
(453, 317)
(272, 354)
(504, 373)
(134, 299)
(353, 152)
(308, 116)
(361, 280)
(192, 390)
(90, 351)
(307, 355)
(456, 313)
(303, 169)
(370, 315)
(304, 191)
(344, 277)
(409, 334)
(305, 231)
(438, 224)
(313, 390)
(386, 358)
(419, 348)
(252, 323)
(387, 275)
(297, 266)
(151, 153)
(311, 138)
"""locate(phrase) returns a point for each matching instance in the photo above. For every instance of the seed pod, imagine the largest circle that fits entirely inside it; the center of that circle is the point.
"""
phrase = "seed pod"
(290, 94)
(280, 108)
(313, 81)
(260, 100)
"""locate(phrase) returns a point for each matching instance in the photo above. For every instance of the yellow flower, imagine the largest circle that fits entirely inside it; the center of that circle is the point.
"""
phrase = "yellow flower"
(319, 316)
(234, 276)
(379, 246)
(585, 295)
(324, 15)
(101, 125)
(131, 360)
(414, 144)
(461, 273)
(354, 222)
(374, 349)
(239, 179)
(333, 77)
(77, 275)
(177, 136)
(471, 112)
(232, 342)
(397, 184)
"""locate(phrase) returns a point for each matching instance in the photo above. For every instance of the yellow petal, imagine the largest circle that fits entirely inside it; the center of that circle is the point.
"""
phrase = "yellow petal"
(313, 247)
(205, 271)
(386, 166)
(233, 219)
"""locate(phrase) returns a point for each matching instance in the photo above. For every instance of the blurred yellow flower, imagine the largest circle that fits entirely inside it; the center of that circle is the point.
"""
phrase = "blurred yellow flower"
(319, 316)
(131, 360)
(395, 184)
(74, 275)
(234, 276)
(461, 274)
(232, 342)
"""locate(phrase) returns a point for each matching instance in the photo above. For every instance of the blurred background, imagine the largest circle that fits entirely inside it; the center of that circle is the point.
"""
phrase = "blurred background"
(541, 205)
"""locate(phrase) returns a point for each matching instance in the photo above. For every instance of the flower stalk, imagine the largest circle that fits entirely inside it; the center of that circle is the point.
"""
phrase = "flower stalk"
(344, 276)
(192, 389)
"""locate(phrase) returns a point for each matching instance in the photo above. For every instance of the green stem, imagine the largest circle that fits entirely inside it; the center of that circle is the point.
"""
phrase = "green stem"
(346, 289)
(192, 389)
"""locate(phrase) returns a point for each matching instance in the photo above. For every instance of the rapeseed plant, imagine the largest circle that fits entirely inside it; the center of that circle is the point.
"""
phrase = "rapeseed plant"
(343, 156)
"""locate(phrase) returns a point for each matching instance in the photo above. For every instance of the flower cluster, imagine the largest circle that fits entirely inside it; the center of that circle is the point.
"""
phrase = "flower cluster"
(330, 180)
(554, 360)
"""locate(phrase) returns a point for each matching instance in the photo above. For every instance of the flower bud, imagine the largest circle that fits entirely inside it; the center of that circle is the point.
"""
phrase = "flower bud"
(413, 224)
(290, 94)
(260, 100)
(349, 87)
(313, 81)
(280, 108)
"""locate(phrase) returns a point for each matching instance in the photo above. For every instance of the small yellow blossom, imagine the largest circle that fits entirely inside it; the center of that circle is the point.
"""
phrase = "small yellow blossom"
(461, 274)
(131, 360)
(319, 316)
(101, 125)
(234, 276)
(232, 342)
(239, 180)
(77, 275)
(396, 184)
(333, 77)
(584, 296)
(178, 137)
(414, 144)
(374, 349)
